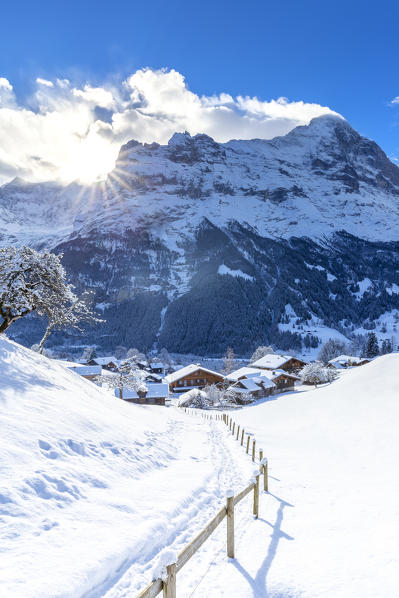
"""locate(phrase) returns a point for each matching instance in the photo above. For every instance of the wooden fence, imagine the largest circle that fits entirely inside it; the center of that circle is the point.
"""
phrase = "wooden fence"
(168, 585)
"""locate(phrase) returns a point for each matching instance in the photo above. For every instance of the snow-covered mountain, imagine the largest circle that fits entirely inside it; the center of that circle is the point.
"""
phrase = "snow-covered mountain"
(201, 245)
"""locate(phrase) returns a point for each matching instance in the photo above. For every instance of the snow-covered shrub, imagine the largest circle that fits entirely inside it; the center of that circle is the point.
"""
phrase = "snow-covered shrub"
(316, 373)
(214, 394)
(195, 398)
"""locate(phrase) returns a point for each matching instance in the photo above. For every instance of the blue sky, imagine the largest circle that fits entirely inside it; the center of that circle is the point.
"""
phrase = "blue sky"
(343, 55)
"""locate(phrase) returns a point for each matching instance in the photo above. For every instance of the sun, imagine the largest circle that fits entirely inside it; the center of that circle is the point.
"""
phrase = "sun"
(91, 161)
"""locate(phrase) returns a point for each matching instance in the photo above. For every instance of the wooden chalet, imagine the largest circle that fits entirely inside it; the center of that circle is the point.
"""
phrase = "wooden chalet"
(192, 376)
(272, 361)
(157, 367)
(246, 390)
(280, 379)
(283, 380)
(347, 361)
(108, 363)
(156, 394)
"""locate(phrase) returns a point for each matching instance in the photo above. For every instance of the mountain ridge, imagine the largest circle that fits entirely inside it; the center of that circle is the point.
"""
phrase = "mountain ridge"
(163, 238)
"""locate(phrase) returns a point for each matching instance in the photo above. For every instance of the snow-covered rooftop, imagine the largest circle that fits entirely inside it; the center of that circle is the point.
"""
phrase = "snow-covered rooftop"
(271, 361)
(105, 360)
(249, 385)
(187, 370)
(155, 391)
(244, 372)
(86, 370)
(347, 359)
(273, 374)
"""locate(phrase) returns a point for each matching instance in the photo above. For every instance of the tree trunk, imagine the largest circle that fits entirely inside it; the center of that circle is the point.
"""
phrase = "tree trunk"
(4, 325)
(45, 337)
(8, 319)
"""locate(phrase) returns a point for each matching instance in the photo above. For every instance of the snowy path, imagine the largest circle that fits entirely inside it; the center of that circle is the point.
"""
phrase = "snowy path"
(219, 466)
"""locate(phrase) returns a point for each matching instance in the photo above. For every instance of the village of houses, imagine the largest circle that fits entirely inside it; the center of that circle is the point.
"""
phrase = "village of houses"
(185, 386)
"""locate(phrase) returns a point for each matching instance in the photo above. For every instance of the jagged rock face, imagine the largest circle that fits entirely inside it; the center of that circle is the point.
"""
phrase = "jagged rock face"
(198, 245)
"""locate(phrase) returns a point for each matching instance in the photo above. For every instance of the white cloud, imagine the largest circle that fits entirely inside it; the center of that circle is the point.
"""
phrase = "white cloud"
(68, 132)
(5, 84)
(44, 82)
(395, 100)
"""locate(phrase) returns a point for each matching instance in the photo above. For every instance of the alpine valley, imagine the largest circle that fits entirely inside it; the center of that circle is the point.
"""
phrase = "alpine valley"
(197, 245)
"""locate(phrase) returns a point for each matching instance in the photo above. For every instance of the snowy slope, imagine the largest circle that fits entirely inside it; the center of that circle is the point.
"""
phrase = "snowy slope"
(95, 489)
(91, 485)
(330, 525)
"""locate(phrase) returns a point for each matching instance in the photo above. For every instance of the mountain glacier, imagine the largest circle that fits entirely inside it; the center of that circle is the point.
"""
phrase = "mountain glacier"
(199, 245)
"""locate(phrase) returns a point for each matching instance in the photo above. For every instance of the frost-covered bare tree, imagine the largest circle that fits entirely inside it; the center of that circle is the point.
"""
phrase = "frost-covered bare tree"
(33, 281)
(214, 394)
(128, 376)
(165, 357)
(134, 355)
(68, 313)
(261, 352)
(316, 373)
(331, 349)
(229, 361)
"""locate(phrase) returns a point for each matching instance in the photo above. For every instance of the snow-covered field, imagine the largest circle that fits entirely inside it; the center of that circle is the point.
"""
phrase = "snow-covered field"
(95, 489)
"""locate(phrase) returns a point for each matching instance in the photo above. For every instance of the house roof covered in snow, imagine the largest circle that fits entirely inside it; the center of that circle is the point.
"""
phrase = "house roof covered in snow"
(273, 374)
(105, 360)
(187, 370)
(264, 381)
(272, 361)
(155, 391)
(86, 370)
(347, 359)
(244, 372)
(249, 384)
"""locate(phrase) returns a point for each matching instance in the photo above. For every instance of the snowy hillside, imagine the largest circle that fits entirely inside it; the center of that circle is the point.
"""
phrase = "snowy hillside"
(94, 489)
(92, 485)
(228, 235)
(332, 520)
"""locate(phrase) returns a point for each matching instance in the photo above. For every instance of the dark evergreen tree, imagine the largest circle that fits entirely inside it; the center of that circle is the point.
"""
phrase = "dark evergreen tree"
(372, 348)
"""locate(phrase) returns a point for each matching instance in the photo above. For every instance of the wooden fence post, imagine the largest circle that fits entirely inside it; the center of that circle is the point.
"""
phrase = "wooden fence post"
(256, 497)
(230, 527)
(230, 424)
(265, 476)
(260, 455)
(234, 427)
(238, 432)
(169, 586)
(248, 439)
(242, 437)
(253, 449)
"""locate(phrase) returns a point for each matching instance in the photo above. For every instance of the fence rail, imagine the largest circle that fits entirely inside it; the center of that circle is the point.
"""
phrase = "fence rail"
(168, 585)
